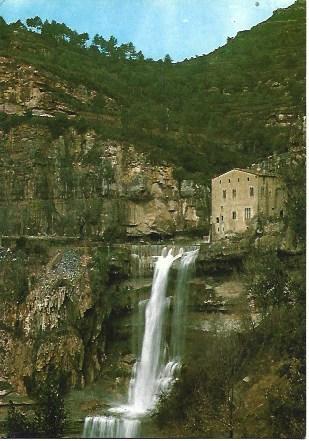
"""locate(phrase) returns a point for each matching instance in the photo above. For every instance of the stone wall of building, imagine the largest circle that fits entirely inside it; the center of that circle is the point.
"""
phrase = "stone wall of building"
(239, 196)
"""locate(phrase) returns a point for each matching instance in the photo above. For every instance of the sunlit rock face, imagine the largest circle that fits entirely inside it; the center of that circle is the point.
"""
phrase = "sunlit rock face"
(84, 186)
(56, 180)
(26, 88)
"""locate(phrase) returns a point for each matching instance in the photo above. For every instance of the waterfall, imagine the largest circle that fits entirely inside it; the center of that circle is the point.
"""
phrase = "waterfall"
(144, 256)
(110, 427)
(156, 366)
(146, 382)
(180, 305)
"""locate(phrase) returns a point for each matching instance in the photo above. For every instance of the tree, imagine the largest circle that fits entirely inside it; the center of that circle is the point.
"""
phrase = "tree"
(140, 56)
(202, 402)
(18, 424)
(35, 23)
(57, 31)
(167, 59)
(131, 51)
(295, 179)
(100, 42)
(18, 25)
(78, 39)
(49, 416)
(267, 280)
(112, 46)
(179, 174)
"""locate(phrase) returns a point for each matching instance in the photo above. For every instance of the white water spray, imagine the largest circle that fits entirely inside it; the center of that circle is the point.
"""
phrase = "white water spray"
(154, 371)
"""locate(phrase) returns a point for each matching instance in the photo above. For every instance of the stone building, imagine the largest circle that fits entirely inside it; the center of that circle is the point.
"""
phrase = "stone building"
(240, 196)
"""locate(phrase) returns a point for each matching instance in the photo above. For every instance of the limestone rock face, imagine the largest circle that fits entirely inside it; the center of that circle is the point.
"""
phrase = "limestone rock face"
(24, 88)
(58, 181)
(60, 324)
(84, 185)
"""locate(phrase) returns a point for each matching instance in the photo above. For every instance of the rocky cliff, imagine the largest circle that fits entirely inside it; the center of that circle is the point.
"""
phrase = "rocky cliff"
(55, 312)
(75, 182)
(65, 173)
(190, 115)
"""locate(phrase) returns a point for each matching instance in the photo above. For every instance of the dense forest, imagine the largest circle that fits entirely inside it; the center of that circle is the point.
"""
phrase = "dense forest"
(203, 115)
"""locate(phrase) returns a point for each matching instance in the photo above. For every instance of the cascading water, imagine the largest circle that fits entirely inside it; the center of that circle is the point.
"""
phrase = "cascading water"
(154, 371)
(146, 383)
(180, 306)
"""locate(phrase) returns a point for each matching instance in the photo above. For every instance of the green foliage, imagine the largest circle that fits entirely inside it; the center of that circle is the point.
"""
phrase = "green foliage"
(201, 404)
(99, 274)
(207, 402)
(212, 402)
(20, 425)
(269, 283)
(49, 416)
(14, 278)
(267, 280)
(168, 59)
(107, 268)
(287, 402)
(92, 213)
(35, 23)
(58, 125)
(184, 113)
(33, 248)
(8, 122)
(295, 179)
(179, 174)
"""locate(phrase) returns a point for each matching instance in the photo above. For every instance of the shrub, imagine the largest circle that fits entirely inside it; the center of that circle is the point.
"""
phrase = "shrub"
(48, 418)
(267, 280)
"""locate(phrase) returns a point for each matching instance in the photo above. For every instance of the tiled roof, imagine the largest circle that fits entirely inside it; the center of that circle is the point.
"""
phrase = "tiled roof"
(256, 172)
(251, 171)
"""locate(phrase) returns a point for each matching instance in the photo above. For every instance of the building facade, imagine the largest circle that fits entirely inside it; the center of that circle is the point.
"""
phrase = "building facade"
(240, 196)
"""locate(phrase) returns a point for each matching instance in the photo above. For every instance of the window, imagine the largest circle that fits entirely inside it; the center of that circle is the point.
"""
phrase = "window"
(218, 220)
(234, 215)
(218, 230)
(234, 193)
(222, 218)
(238, 179)
(220, 181)
(247, 213)
(224, 194)
(251, 191)
(229, 181)
(248, 179)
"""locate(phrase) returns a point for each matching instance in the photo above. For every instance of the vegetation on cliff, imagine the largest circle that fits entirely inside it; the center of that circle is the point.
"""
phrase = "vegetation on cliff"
(203, 115)
(47, 419)
(240, 103)
(259, 389)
